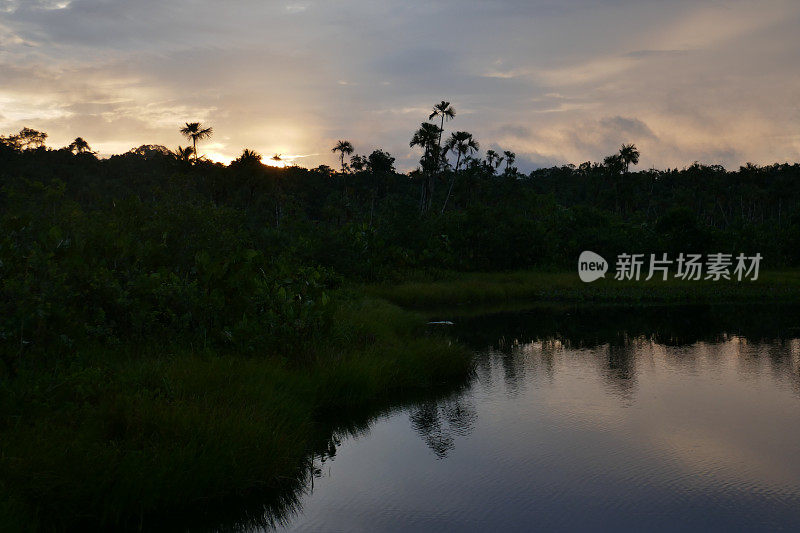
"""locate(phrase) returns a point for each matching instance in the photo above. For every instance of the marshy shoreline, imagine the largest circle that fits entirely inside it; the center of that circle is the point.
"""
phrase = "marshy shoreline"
(138, 436)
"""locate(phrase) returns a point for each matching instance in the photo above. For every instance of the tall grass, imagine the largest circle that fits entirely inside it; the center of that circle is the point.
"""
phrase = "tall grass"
(122, 439)
(535, 286)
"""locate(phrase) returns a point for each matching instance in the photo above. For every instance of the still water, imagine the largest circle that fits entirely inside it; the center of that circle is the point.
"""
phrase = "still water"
(588, 419)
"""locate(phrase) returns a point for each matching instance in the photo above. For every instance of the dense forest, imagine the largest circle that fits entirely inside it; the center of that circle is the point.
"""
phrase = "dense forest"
(158, 240)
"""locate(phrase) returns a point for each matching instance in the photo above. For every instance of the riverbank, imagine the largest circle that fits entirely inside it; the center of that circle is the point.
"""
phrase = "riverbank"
(135, 436)
(529, 287)
(122, 438)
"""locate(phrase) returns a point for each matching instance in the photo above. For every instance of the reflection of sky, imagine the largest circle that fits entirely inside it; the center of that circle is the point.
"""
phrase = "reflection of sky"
(555, 81)
(702, 435)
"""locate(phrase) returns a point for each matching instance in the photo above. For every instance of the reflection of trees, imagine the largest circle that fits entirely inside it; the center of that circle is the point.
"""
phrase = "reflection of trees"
(526, 346)
(792, 353)
(439, 422)
(426, 420)
(594, 326)
(620, 367)
(441, 414)
(619, 344)
(513, 371)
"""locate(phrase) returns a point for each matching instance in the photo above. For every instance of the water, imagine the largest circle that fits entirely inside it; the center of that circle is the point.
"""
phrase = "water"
(628, 419)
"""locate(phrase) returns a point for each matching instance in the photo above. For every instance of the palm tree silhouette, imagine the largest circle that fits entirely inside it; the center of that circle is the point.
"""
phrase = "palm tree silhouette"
(249, 156)
(491, 155)
(427, 137)
(344, 148)
(183, 154)
(463, 144)
(630, 155)
(446, 112)
(616, 168)
(79, 146)
(510, 158)
(195, 131)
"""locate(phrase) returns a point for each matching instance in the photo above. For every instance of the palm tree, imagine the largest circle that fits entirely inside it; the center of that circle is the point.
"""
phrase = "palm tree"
(427, 137)
(463, 144)
(79, 146)
(630, 155)
(249, 157)
(615, 164)
(446, 112)
(510, 158)
(616, 168)
(195, 131)
(490, 157)
(183, 154)
(344, 148)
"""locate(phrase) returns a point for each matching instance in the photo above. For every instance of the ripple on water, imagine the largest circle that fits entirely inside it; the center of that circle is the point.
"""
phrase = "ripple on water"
(628, 426)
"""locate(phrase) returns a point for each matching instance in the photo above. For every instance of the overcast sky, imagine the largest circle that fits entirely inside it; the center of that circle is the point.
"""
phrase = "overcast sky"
(554, 80)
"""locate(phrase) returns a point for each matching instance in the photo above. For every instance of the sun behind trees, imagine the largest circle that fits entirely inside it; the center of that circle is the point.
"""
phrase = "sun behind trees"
(449, 160)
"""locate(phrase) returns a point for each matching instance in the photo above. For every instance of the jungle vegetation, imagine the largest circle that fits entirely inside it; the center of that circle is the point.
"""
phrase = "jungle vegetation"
(150, 299)
(159, 241)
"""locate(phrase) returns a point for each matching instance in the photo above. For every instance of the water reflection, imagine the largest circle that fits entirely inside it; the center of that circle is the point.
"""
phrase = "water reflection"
(642, 418)
(438, 423)
(759, 337)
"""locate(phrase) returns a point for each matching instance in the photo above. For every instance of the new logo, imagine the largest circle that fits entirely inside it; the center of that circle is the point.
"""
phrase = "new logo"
(591, 266)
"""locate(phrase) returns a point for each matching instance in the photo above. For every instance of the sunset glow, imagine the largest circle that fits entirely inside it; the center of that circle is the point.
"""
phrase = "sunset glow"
(557, 82)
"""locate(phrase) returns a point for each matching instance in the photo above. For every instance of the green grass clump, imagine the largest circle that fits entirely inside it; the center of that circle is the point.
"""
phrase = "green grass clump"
(534, 286)
(126, 438)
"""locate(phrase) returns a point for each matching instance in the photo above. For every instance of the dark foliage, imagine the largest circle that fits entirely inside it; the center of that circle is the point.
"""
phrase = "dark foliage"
(147, 243)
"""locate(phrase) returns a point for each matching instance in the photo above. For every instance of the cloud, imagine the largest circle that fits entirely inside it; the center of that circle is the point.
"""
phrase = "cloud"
(555, 81)
(644, 54)
(296, 8)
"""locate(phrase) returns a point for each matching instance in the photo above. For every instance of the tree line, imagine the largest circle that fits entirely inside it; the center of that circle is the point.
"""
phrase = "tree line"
(159, 240)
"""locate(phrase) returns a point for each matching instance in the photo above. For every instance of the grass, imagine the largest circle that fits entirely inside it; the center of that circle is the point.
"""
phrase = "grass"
(481, 289)
(124, 439)
(149, 436)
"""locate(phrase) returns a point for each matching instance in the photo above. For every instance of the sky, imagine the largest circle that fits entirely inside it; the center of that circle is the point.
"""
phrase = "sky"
(556, 81)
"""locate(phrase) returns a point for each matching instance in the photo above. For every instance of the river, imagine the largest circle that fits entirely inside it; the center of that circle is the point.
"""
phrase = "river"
(585, 418)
